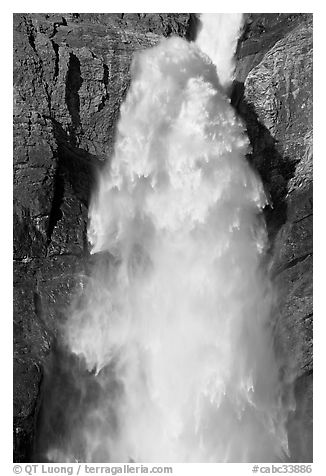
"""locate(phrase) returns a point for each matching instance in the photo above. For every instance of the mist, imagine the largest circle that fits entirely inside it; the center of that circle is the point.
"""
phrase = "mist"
(176, 328)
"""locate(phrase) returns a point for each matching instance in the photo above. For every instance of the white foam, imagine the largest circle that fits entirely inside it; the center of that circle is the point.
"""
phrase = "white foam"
(184, 316)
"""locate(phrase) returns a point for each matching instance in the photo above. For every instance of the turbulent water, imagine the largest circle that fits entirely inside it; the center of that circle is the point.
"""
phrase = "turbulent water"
(176, 329)
(218, 36)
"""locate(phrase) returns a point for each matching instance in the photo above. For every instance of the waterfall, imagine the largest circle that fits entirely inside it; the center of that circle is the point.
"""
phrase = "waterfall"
(218, 38)
(176, 328)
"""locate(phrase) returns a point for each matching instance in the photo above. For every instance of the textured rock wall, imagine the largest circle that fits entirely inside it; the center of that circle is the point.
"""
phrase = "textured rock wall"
(71, 73)
(273, 94)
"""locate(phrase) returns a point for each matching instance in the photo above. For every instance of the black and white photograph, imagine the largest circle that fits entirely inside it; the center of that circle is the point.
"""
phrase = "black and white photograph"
(162, 240)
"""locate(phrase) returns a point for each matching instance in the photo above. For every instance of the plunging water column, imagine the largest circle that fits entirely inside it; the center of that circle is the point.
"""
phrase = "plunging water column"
(181, 319)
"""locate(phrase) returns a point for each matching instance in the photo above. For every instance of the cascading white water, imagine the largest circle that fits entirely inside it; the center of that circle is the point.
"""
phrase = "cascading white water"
(218, 38)
(182, 317)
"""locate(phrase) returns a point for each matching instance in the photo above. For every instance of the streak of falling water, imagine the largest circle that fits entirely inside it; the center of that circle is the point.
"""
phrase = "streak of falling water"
(218, 37)
(181, 319)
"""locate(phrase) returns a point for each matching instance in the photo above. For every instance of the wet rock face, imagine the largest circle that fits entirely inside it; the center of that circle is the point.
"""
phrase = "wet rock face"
(273, 94)
(71, 73)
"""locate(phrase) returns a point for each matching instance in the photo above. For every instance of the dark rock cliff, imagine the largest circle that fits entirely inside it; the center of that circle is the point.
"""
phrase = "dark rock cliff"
(273, 94)
(71, 73)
